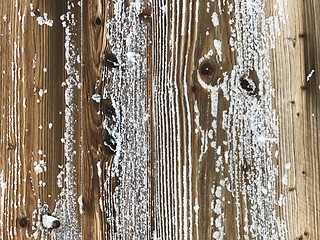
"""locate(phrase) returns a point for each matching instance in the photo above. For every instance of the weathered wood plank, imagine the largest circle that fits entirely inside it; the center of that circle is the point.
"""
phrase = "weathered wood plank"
(160, 119)
(95, 156)
(295, 56)
(31, 99)
(216, 155)
(126, 87)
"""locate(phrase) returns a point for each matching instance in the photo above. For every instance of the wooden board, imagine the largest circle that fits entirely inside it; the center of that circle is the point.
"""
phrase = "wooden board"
(296, 57)
(31, 99)
(159, 119)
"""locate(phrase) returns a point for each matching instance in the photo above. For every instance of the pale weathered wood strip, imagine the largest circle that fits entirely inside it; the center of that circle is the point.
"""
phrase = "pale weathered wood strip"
(296, 54)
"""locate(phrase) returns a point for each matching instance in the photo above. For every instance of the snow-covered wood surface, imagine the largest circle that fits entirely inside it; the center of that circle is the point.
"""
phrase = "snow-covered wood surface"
(159, 119)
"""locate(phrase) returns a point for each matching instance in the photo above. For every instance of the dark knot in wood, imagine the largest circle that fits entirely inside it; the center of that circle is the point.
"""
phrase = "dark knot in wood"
(23, 222)
(206, 69)
(56, 224)
(248, 85)
(11, 146)
(145, 15)
(98, 21)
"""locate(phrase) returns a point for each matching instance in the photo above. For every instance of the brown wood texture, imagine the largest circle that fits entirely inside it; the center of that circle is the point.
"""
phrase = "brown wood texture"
(134, 126)
(94, 31)
(296, 55)
(31, 99)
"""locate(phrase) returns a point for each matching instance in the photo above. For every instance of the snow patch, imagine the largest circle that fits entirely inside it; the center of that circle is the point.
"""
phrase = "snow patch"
(96, 97)
(44, 20)
(215, 19)
(310, 75)
(40, 167)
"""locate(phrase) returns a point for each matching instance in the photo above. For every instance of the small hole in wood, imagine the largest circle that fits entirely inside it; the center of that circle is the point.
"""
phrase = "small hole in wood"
(23, 222)
(303, 88)
(37, 12)
(10, 146)
(206, 69)
(56, 224)
(302, 35)
(306, 234)
(298, 114)
(98, 21)
(292, 102)
(291, 189)
(303, 172)
(111, 60)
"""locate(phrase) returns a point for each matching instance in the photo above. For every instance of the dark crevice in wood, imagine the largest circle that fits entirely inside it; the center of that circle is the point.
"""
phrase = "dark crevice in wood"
(110, 144)
(37, 12)
(109, 111)
(109, 114)
(250, 82)
(110, 60)
(303, 88)
(193, 89)
(11, 146)
(291, 189)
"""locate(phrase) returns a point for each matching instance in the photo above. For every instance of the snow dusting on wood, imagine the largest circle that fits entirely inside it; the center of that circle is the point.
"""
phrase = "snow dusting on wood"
(128, 129)
(238, 134)
(66, 206)
(164, 128)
